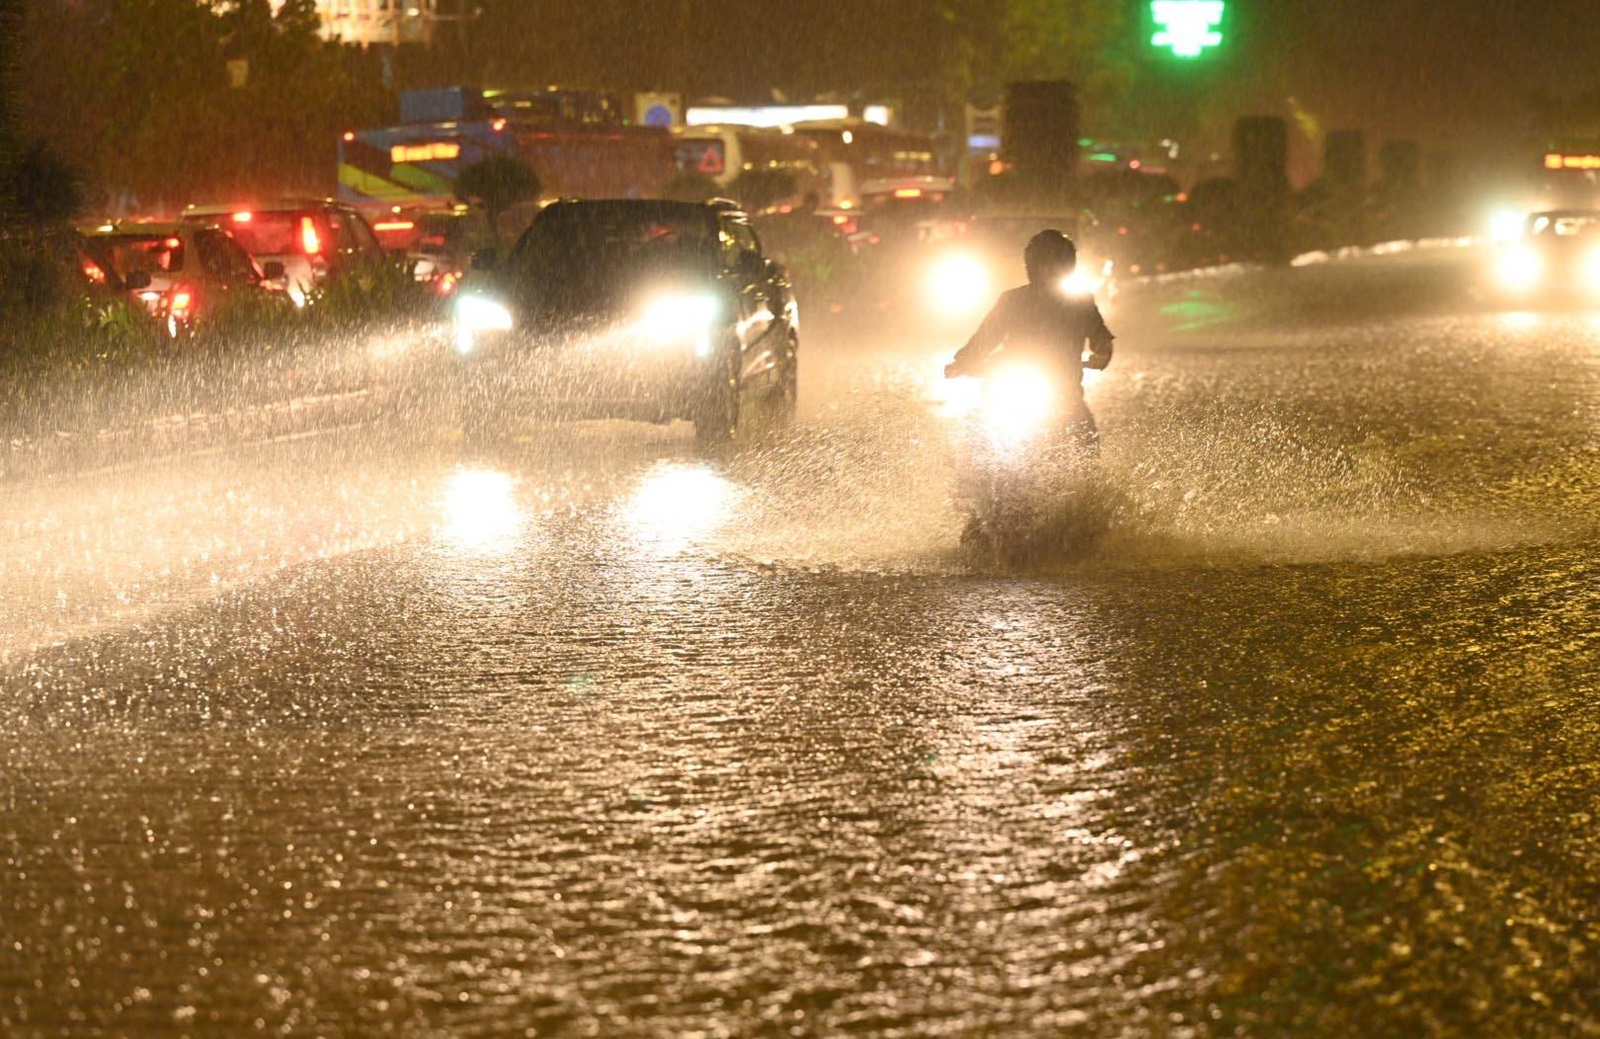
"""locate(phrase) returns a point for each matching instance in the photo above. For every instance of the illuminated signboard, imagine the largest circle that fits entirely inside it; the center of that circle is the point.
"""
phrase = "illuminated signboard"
(1558, 161)
(1187, 27)
(433, 152)
(766, 116)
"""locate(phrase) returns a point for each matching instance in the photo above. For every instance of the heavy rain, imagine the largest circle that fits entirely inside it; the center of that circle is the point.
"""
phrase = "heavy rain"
(982, 518)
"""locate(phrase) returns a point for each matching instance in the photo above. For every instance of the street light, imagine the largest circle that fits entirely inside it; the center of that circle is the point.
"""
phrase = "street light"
(1188, 28)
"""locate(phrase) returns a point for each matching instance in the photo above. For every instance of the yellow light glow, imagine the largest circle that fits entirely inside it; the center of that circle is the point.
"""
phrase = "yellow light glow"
(959, 284)
(677, 506)
(1080, 283)
(1019, 402)
(1591, 270)
(677, 319)
(432, 152)
(1520, 269)
(480, 511)
(1558, 161)
(1505, 225)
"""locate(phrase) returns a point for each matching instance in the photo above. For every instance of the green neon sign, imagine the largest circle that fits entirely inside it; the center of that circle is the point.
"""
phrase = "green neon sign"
(1188, 28)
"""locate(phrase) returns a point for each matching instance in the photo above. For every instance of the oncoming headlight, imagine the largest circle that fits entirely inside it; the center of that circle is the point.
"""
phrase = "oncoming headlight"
(475, 315)
(1504, 225)
(1520, 269)
(678, 319)
(1591, 270)
(1019, 402)
(1081, 282)
(958, 284)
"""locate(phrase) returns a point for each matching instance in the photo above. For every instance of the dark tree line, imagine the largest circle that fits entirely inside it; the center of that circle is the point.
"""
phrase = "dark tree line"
(161, 102)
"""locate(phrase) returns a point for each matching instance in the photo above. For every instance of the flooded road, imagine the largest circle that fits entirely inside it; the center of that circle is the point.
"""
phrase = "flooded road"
(581, 734)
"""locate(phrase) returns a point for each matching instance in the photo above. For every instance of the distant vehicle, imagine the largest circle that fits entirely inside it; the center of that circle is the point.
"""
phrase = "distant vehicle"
(731, 156)
(437, 243)
(183, 274)
(1557, 258)
(416, 164)
(905, 210)
(313, 240)
(855, 152)
(634, 309)
(950, 282)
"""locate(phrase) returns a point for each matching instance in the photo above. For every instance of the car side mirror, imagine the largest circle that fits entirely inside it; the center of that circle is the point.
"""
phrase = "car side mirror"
(272, 270)
(136, 280)
(485, 260)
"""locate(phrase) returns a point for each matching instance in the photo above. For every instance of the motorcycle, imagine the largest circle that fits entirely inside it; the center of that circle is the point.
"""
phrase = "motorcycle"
(1027, 449)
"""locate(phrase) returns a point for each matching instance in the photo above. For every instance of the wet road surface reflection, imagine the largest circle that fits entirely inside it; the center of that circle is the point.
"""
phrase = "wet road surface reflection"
(582, 734)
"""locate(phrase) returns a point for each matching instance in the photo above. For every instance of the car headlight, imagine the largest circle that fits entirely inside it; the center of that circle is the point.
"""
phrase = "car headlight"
(1520, 269)
(476, 315)
(1504, 225)
(679, 319)
(959, 284)
(1081, 282)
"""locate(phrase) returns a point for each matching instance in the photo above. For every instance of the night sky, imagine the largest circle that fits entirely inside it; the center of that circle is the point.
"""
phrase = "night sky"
(1451, 73)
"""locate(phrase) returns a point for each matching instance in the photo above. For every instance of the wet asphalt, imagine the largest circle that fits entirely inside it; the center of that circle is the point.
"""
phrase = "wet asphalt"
(1294, 731)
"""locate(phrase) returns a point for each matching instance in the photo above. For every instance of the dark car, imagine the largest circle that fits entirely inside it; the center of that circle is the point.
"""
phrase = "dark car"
(315, 240)
(1556, 258)
(645, 310)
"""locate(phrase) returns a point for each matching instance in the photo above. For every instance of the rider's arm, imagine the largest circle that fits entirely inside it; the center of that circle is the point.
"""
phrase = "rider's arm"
(1100, 340)
(989, 335)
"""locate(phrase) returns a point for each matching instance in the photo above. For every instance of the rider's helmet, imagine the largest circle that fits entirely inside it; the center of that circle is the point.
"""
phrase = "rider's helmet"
(1049, 257)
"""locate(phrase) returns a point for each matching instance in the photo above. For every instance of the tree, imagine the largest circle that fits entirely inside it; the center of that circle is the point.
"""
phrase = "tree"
(159, 119)
(46, 191)
(498, 183)
(988, 43)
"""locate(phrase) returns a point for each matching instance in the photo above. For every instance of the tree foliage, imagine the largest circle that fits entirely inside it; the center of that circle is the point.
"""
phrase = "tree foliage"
(150, 108)
(989, 43)
(498, 183)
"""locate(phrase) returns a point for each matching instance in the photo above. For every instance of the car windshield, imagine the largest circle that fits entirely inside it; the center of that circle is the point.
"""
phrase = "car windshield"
(155, 254)
(1566, 225)
(577, 253)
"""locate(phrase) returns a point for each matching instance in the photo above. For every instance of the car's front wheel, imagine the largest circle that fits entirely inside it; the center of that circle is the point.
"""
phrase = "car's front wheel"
(785, 399)
(716, 417)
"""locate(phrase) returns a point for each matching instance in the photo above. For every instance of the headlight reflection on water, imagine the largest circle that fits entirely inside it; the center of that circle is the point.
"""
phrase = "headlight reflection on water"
(480, 511)
(676, 505)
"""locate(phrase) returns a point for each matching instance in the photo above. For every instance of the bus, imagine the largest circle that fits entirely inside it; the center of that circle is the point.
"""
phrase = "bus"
(416, 164)
(855, 151)
(723, 154)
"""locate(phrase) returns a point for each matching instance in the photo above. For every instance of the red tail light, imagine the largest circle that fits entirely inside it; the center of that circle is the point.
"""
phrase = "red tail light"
(309, 239)
(181, 302)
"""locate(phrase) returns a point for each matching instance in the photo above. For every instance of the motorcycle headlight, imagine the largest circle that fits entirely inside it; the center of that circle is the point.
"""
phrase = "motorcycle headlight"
(1520, 269)
(679, 319)
(959, 284)
(476, 315)
(1019, 401)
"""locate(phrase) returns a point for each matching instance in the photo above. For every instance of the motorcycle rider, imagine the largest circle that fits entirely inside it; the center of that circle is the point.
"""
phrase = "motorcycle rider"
(1042, 321)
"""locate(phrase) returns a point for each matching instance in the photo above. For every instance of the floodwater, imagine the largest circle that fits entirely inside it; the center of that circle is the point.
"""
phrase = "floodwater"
(582, 734)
